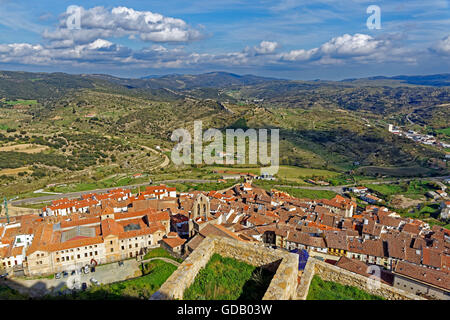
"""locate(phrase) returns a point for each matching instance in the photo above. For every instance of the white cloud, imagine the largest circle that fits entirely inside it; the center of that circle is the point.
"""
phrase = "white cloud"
(442, 46)
(99, 22)
(358, 48)
(352, 45)
(266, 47)
(361, 48)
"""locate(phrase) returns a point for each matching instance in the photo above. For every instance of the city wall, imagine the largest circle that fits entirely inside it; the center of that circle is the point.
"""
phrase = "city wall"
(285, 265)
(329, 272)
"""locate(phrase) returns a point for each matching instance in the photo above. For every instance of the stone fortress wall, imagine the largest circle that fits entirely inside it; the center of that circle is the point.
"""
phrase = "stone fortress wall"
(329, 272)
(282, 287)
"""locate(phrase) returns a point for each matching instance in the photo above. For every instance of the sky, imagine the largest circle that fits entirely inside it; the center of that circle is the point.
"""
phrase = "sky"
(292, 39)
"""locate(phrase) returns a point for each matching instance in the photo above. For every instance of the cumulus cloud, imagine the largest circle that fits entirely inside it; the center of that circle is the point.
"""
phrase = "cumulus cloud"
(442, 46)
(356, 48)
(266, 47)
(99, 22)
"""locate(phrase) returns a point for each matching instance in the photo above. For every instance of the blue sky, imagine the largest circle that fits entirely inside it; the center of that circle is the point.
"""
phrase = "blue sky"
(295, 39)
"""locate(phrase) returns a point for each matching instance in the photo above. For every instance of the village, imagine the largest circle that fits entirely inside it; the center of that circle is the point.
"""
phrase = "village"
(98, 229)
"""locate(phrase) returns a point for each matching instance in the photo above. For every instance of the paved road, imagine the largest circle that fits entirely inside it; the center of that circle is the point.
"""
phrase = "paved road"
(107, 273)
(340, 189)
(78, 194)
(337, 189)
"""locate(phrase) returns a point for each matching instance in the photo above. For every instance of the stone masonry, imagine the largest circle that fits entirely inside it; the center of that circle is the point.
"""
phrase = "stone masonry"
(329, 272)
(282, 287)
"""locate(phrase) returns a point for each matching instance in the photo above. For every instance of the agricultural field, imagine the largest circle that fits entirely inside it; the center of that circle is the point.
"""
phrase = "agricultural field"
(415, 189)
(395, 171)
(445, 131)
(25, 148)
(15, 171)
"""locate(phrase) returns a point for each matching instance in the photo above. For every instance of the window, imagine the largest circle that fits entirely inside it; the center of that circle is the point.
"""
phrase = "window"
(123, 247)
(136, 245)
(110, 242)
(57, 259)
(112, 249)
(90, 253)
(96, 253)
(85, 254)
(78, 256)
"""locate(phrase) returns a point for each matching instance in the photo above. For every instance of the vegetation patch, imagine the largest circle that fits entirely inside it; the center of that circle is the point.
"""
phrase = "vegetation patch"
(229, 279)
(328, 290)
(6, 293)
(160, 253)
(412, 189)
(395, 171)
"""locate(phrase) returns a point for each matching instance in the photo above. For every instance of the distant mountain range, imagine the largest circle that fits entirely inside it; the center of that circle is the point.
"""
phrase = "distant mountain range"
(42, 85)
(435, 80)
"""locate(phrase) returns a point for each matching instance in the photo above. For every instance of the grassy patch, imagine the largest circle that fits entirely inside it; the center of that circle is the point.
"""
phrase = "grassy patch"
(22, 102)
(327, 290)
(445, 131)
(395, 171)
(160, 252)
(229, 279)
(6, 293)
(412, 189)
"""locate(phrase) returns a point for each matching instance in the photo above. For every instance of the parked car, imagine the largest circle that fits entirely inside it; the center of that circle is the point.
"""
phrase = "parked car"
(93, 269)
(86, 269)
(58, 275)
(120, 263)
(94, 281)
(84, 286)
(3, 276)
(73, 272)
(65, 274)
